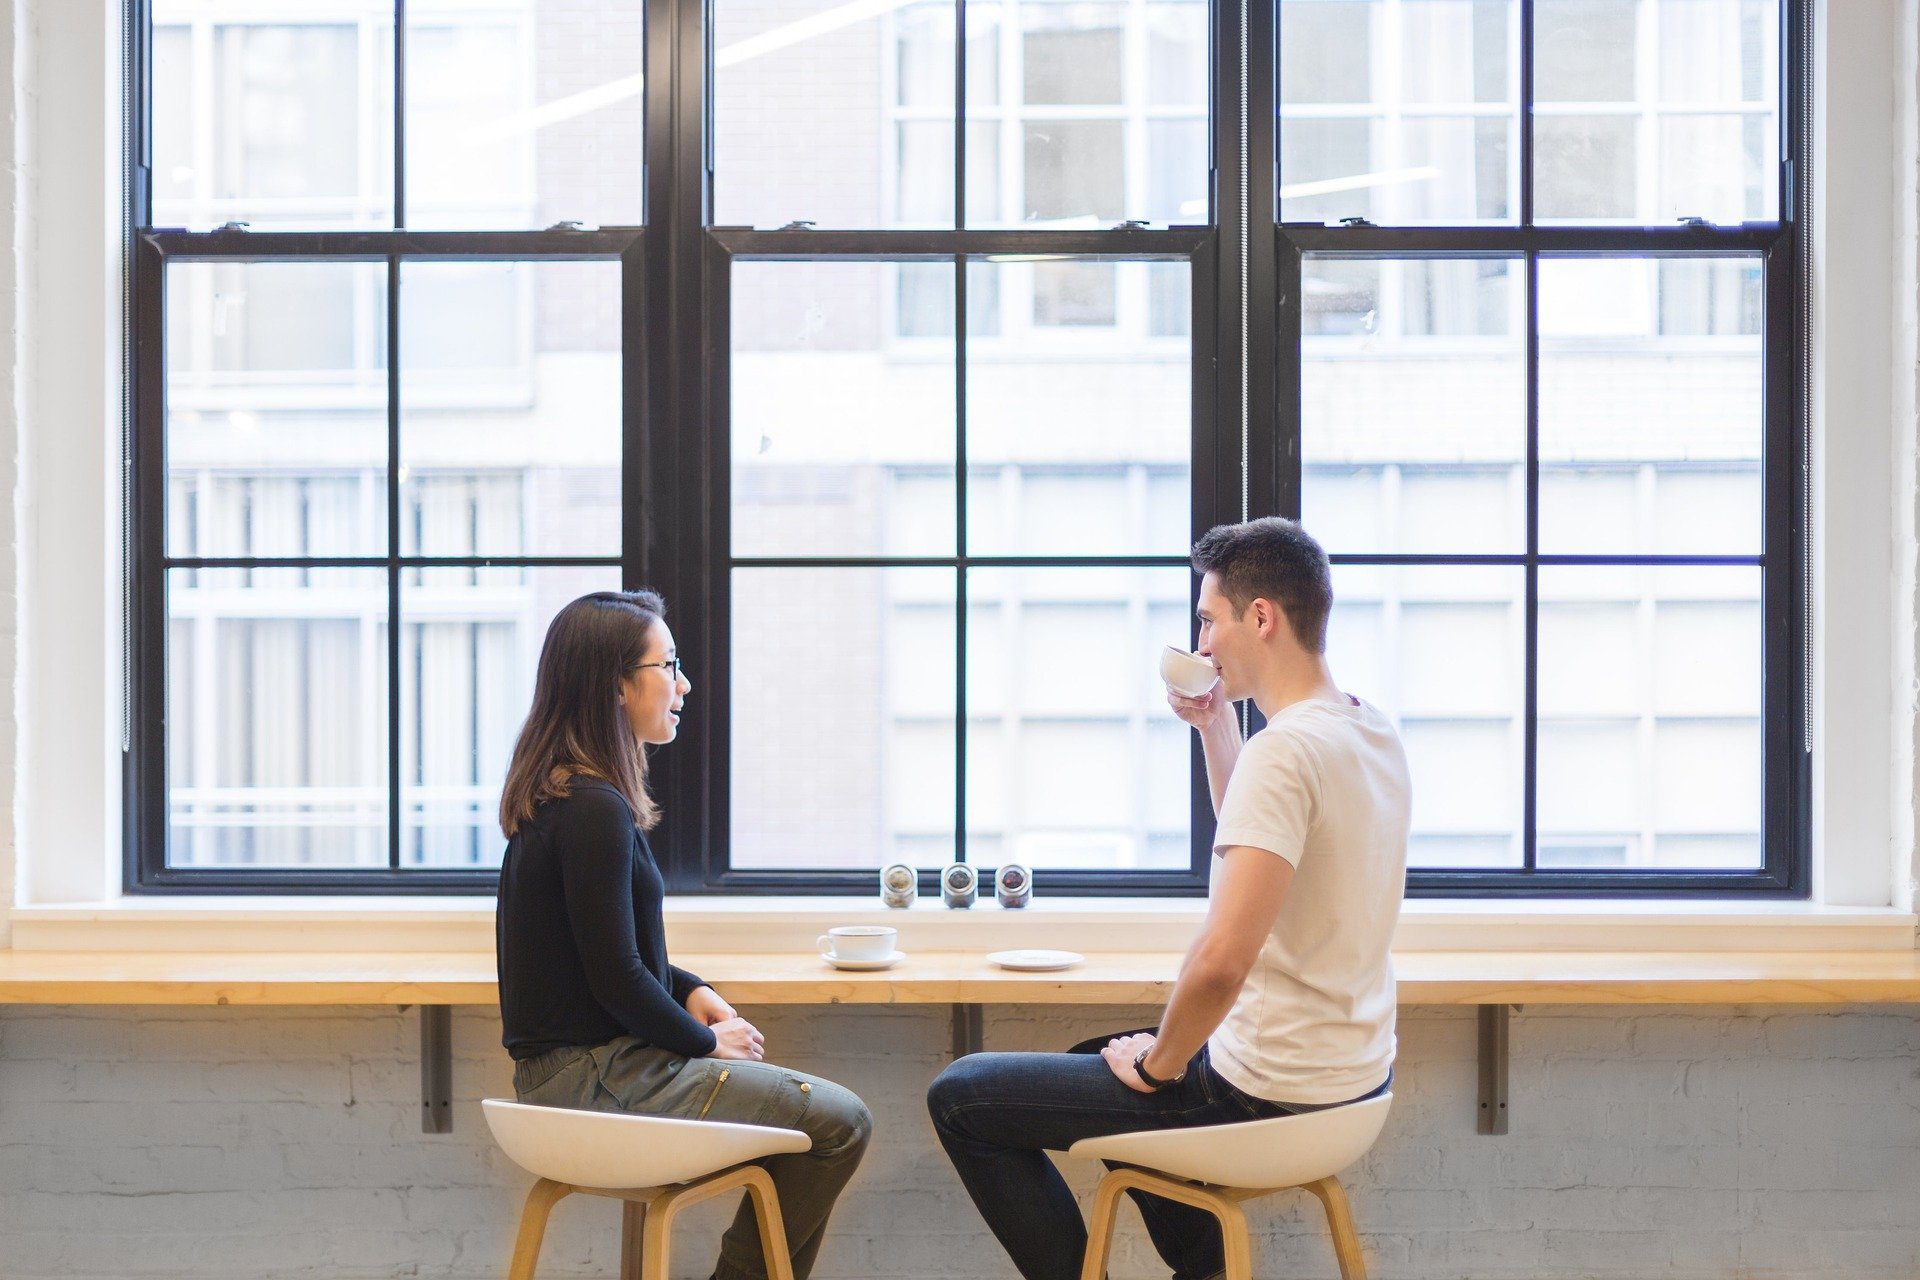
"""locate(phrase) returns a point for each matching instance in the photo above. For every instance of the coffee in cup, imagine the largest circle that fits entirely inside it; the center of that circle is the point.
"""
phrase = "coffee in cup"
(858, 942)
(1187, 674)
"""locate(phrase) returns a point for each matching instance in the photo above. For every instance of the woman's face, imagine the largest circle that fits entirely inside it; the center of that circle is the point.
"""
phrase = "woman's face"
(654, 692)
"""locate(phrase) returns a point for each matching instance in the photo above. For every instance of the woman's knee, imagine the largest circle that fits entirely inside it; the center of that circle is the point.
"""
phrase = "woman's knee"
(838, 1121)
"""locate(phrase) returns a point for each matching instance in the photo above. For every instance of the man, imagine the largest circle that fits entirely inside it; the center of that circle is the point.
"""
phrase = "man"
(1285, 1002)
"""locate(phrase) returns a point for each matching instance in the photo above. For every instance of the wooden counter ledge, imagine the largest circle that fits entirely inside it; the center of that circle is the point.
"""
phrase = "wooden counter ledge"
(952, 977)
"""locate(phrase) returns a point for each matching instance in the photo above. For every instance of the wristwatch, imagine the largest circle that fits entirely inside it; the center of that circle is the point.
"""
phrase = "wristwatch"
(1140, 1069)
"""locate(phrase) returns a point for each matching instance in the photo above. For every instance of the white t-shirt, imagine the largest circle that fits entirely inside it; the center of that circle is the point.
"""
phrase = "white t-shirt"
(1324, 786)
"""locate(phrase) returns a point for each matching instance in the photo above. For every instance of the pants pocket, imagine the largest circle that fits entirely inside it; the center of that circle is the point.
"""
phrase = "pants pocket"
(695, 1089)
(751, 1093)
(638, 1078)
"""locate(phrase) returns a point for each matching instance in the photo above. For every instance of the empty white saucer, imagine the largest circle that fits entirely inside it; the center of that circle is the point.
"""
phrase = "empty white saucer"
(866, 966)
(1035, 960)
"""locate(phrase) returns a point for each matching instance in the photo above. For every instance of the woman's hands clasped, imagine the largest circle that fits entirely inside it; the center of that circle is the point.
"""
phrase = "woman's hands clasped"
(734, 1036)
(738, 1038)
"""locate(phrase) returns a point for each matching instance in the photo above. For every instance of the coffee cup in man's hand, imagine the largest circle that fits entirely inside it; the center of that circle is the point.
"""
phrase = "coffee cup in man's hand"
(1187, 674)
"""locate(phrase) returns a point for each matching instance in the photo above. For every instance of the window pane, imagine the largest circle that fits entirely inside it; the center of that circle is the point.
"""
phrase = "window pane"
(1177, 54)
(510, 398)
(1073, 759)
(1085, 114)
(1585, 166)
(469, 647)
(1074, 171)
(1071, 53)
(178, 176)
(1695, 81)
(276, 124)
(1326, 167)
(1441, 652)
(843, 717)
(1075, 294)
(1427, 142)
(1584, 50)
(523, 117)
(1651, 395)
(277, 724)
(925, 195)
(923, 91)
(1065, 444)
(800, 113)
(1413, 405)
(1326, 50)
(1650, 750)
(1177, 187)
(276, 409)
(829, 412)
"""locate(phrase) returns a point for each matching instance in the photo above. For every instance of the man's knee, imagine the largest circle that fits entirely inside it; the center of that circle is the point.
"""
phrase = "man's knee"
(968, 1079)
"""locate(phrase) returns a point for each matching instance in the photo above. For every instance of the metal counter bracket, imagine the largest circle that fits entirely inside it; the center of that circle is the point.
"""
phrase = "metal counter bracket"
(968, 1031)
(436, 1068)
(1493, 1068)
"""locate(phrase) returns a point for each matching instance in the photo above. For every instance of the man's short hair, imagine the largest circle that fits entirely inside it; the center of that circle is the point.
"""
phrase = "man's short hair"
(1272, 559)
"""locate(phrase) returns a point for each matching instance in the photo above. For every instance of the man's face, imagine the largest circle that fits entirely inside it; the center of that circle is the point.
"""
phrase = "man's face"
(1225, 636)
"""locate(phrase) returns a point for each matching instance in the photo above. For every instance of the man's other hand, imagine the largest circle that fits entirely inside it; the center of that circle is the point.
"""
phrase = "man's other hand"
(1121, 1052)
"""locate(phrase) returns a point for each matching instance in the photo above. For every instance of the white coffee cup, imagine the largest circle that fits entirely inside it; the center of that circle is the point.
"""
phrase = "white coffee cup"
(858, 942)
(1186, 673)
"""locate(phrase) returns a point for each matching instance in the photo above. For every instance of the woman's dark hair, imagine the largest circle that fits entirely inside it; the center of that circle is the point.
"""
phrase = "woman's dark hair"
(1272, 559)
(576, 724)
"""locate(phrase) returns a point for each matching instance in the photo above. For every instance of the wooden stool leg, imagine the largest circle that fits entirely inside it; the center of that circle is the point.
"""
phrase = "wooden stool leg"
(773, 1227)
(633, 1221)
(1233, 1234)
(654, 1237)
(1346, 1241)
(1106, 1209)
(533, 1226)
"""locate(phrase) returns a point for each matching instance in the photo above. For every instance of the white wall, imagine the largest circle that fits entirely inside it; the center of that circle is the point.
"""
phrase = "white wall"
(59, 454)
(13, 249)
(1864, 344)
(232, 1144)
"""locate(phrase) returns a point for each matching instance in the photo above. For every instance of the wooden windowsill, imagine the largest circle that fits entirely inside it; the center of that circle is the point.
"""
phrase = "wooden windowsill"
(784, 926)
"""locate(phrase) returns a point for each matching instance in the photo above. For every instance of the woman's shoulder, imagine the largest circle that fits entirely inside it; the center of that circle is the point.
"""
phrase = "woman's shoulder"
(586, 799)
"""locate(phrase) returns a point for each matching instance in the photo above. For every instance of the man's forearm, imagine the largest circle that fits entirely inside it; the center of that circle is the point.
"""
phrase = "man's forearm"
(1222, 745)
(1202, 998)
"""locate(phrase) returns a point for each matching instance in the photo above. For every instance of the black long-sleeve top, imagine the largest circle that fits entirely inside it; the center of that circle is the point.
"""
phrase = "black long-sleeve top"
(581, 946)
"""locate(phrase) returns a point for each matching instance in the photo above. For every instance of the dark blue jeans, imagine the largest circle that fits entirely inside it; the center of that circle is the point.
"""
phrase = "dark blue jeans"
(997, 1114)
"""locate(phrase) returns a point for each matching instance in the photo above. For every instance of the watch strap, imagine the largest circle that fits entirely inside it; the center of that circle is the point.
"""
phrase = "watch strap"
(1151, 1081)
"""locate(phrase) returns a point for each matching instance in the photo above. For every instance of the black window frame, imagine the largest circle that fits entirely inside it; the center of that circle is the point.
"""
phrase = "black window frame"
(1246, 361)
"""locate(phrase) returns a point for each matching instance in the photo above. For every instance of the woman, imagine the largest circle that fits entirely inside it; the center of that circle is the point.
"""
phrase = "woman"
(593, 1014)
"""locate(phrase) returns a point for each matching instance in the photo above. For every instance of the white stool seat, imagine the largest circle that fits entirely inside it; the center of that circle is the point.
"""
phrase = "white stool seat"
(1288, 1151)
(607, 1150)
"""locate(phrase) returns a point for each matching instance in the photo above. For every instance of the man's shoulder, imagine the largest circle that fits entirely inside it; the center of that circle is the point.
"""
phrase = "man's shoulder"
(1325, 736)
(1302, 731)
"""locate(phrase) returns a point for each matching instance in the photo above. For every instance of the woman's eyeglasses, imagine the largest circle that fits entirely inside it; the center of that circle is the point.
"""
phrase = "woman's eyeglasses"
(671, 664)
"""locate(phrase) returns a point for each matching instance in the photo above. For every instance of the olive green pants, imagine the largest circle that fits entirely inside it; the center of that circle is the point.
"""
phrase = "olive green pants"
(626, 1075)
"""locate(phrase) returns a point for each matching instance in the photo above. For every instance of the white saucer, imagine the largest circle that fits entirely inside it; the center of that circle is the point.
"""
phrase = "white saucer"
(866, 966)
(1032, 960)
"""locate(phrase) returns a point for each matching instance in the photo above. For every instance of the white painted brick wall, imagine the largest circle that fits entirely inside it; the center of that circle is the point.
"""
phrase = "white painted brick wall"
(236, 1143)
